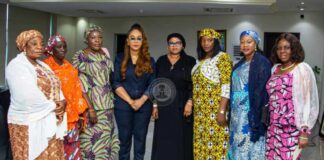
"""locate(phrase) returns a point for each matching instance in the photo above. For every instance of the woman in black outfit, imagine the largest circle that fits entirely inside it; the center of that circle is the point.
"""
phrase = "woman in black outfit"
(173, 129)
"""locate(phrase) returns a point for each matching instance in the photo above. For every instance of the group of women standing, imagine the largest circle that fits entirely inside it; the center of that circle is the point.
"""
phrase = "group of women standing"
(285, 95)
(61, 110)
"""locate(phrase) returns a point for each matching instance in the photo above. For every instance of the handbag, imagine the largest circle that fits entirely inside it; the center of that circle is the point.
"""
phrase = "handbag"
(265, 115)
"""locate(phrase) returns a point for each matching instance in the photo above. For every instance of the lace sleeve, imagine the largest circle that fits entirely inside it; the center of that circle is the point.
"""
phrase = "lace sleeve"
(305, 96)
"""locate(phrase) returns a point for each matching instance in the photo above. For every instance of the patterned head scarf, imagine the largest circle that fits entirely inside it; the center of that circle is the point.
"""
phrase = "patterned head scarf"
(209, 32)
(23, 38)
(252, 34)
(90, 30)
(52, 41)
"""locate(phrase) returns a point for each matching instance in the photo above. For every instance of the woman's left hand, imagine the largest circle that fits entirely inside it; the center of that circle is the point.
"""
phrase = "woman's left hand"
(303, 141)
(187, 110)
(221, 119)
(138, 103)
(80, 125)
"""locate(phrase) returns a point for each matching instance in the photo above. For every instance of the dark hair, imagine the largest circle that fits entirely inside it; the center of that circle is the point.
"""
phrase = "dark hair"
(201, 53)
(143, 64)
(297, 51)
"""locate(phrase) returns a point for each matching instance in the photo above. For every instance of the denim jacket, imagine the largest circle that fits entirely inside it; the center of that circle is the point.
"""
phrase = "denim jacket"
(260, 72)
(134, 86)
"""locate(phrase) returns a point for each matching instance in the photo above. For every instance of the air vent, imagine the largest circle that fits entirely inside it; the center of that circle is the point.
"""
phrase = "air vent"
(218, 10)
(91, 11)
(237, 54)
(237, 51)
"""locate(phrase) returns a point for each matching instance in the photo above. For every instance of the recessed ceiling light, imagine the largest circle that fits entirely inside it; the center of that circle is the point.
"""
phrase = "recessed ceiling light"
(302, 3)
(301, 8)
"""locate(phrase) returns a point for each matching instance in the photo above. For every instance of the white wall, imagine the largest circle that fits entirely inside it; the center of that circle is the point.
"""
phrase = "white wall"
(311, 29)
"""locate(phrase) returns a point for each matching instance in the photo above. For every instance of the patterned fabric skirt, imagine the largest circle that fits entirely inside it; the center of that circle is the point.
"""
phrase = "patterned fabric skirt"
(19, 145)
(282, 141)
(210, 139)
(98, 141)
(240, 146)
(72, 145)
(282, 134)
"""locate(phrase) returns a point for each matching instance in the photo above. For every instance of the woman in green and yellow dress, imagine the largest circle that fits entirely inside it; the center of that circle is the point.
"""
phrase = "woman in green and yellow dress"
(211, 87)
(95, 68)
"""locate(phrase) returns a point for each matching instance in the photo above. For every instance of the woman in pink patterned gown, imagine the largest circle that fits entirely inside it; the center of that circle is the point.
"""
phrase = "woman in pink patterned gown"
(293, 99)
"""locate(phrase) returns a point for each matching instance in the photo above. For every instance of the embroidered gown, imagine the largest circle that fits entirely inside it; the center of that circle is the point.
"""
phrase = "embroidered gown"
(49, 85)
(211, 81)
(240, 146)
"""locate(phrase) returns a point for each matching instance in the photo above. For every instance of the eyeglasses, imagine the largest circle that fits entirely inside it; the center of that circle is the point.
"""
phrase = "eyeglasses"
(176, 44)
(286, 48)
(133, 39)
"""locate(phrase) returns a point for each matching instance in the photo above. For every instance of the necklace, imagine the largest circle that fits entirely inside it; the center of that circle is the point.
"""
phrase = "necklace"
(173, 60)
(283, 69)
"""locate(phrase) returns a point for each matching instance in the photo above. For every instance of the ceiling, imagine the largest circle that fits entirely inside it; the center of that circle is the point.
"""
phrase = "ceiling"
(127, 8)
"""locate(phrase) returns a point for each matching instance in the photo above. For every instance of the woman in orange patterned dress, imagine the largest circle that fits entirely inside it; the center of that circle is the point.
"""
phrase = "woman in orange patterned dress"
(35, 117)
(77, 101)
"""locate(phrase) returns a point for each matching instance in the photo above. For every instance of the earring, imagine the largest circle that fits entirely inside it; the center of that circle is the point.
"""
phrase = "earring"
(255, 49)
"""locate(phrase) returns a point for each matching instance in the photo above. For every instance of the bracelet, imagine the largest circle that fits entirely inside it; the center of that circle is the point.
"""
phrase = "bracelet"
(302, 137)
(222, 112)
(155, 105)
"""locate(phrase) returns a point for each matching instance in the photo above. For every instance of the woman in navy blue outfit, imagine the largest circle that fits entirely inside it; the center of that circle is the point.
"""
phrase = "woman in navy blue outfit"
(134, 71)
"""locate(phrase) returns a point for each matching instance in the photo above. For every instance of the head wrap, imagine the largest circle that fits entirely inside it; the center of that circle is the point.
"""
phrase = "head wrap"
(179, 36)
(209, 32)
(23, 38)
(90, 30)
(252, 34)
(52, 41)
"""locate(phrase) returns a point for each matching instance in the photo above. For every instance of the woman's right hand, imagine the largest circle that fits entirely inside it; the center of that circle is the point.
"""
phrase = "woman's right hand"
(92, 116)
(155, 113)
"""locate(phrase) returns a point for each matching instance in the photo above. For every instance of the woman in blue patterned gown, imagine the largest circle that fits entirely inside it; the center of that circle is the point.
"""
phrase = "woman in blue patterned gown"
(248, 96)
